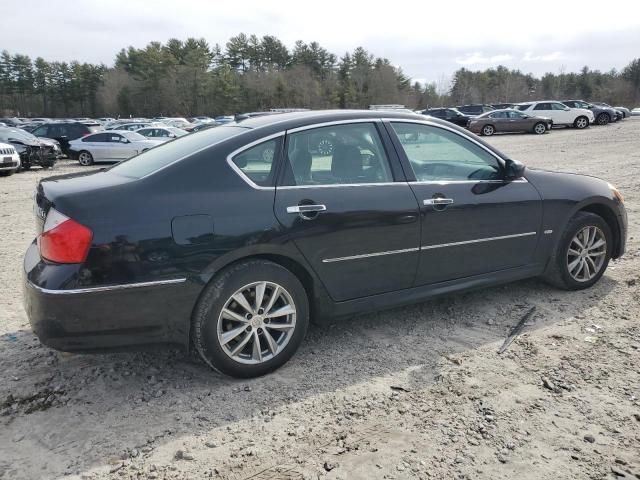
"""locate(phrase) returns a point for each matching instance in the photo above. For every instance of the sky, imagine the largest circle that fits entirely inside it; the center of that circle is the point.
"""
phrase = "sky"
(428, 40)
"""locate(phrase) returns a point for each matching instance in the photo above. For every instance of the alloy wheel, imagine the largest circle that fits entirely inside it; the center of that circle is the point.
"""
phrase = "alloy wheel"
(487, 130)
(540, 129)
(85, 159)
(256, 322)
(581, 123)
(587, 253)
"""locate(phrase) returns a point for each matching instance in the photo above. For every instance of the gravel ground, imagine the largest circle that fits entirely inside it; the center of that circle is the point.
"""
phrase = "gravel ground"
(415, 392)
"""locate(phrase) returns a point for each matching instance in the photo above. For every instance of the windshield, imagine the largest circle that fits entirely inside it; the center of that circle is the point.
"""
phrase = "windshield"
(167, 153)
(133, 136)
(523, 107)
(177, 131)
(18, 135)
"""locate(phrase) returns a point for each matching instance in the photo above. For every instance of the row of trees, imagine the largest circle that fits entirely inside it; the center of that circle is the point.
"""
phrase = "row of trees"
(250, 73)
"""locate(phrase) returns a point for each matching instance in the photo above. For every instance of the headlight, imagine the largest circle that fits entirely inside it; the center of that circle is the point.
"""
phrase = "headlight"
(616, 193)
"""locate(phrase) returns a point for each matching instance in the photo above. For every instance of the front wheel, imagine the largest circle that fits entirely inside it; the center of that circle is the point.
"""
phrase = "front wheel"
(582, 254)
(581, 122)
(603, 119)
(488, 130)
(539, 128)
(85, 158)
(251, 319)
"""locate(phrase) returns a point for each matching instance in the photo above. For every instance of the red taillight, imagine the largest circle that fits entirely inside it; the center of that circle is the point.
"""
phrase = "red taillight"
(64, 240)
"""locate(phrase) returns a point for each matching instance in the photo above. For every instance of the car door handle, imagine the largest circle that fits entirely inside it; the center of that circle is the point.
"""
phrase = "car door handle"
(438, 201)
(306, 208)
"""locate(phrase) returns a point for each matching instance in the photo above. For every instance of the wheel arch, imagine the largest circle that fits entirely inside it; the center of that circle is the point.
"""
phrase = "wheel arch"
(316, 293)
(609, 216)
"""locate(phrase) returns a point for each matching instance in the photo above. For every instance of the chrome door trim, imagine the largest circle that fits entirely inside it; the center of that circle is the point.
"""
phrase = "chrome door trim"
(334, 185)
(477, 240)
(463, 182)
(238, 151)
(368, 255)
(335, 122)
(108, 288)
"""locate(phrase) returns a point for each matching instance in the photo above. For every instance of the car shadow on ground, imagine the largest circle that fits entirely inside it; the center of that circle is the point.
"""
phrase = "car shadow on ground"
(74, 408)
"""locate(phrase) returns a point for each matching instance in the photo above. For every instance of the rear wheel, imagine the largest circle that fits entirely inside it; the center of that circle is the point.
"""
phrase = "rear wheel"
(582, 254)
(581, 122)
(85, 158)
(539, 128)
(488, 130)
(603, 119)
(251, 319)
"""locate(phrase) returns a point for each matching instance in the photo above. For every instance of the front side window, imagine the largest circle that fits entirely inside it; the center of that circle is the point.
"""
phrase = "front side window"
(542, 106)
(439, 155)
(558, 106)
(337, 155)
(257, 163)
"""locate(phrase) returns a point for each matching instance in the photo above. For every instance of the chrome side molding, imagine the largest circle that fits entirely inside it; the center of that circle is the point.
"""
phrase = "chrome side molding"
(108, 288)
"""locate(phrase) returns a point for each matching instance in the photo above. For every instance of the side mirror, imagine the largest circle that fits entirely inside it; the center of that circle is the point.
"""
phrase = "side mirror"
(513, 169)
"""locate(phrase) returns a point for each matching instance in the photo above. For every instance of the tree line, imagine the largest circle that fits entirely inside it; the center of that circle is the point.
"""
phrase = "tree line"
(249, 73)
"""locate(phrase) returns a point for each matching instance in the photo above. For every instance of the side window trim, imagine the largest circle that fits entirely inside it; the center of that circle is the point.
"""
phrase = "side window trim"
(394, 164)
(406, 164)
(276, 160)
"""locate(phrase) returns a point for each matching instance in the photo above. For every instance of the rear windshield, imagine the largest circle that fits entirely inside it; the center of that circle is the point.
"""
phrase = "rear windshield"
(162, 155)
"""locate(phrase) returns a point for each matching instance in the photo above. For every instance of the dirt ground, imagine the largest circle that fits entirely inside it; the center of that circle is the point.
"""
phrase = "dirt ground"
(415, 392)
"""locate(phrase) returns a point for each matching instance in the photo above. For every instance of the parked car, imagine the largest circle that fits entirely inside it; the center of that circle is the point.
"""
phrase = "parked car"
(170, 247)
(31, 149)
(162, 132)
(181, 124)
(9, 160)
(624, 110)
(112, 145)
(65, 132)
(559, 113)
(11, 121)
(449, 114)
(635, 112)
(475, 109)
(502, 106)
(131, 126)
(621, 111)
(509, 120)
(603, 115)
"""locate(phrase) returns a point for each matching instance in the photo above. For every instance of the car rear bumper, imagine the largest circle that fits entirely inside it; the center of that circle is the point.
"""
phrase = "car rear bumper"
(109, 317)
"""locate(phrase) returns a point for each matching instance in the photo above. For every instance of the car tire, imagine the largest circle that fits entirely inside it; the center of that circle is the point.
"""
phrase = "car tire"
(581, 122)
(237, 354)
(85, 158)
(539, 128)
(564, 270)
(603, 119)
(488, 130)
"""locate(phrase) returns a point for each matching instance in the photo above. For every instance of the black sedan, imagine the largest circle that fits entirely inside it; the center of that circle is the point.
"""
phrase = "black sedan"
(206, 243)
(450, 115)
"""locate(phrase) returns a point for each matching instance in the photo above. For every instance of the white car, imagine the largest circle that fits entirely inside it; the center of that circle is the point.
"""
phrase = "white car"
(9, 160)
(113, 145)
(162, 132)
(558, 112)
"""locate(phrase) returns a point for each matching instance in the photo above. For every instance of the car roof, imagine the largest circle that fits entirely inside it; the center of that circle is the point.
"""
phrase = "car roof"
(287, 121)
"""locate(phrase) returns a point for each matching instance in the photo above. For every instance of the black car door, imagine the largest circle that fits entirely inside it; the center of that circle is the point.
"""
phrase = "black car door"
(473, 221)
(349, 209)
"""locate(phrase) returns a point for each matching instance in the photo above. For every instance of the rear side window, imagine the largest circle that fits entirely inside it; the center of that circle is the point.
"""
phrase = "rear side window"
(337, 155)
(156, 158)
(542, 106)
(439, 155)
(257, 163)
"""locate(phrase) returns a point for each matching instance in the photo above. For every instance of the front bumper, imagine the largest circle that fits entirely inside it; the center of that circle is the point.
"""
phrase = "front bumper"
(14, 164)
(103, 318)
